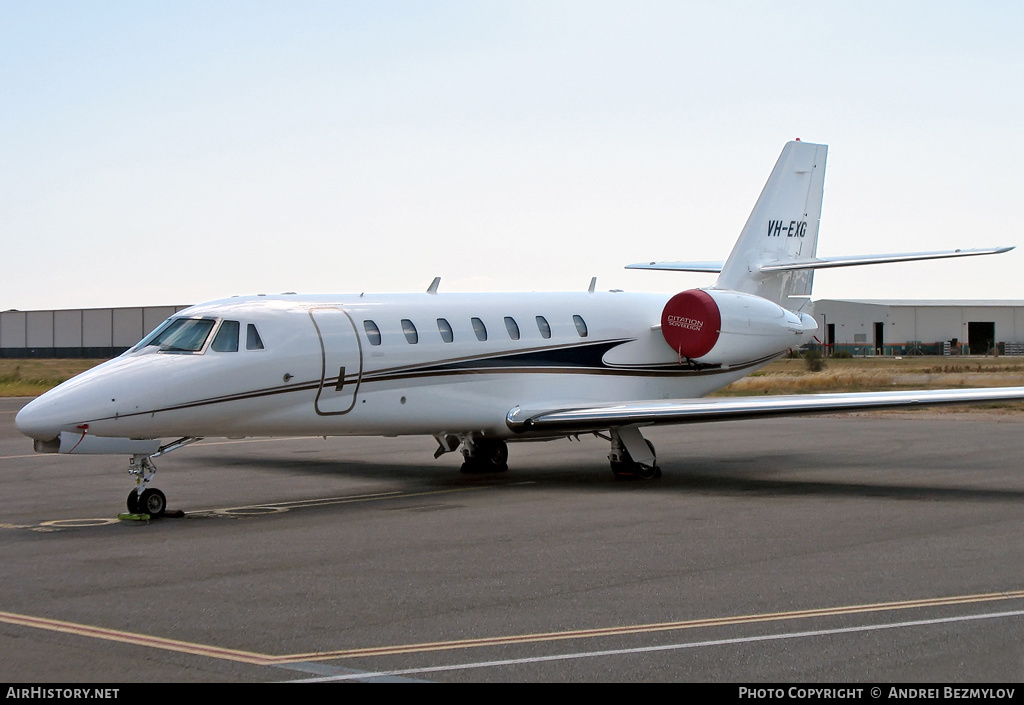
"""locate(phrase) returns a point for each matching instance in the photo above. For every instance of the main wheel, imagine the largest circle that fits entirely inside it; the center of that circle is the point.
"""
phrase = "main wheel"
(152, 502)
(624, 470)
(629, 469)
(497, 456)
(649, 472)
(490, 455)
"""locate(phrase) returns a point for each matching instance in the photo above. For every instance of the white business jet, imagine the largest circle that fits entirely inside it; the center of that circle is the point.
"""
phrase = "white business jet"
(476, 371)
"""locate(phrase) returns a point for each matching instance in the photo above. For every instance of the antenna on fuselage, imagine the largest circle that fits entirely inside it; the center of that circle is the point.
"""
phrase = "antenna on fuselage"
(593, 285)
(432, 289)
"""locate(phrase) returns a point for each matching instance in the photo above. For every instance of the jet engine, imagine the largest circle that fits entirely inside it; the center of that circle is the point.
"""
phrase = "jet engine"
(713, 326)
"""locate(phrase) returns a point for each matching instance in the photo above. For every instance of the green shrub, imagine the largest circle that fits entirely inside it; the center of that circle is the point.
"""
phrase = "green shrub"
(814, 361)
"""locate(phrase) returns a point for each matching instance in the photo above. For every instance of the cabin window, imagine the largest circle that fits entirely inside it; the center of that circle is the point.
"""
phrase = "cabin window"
(253, 341)
(543, 327)
(512, 327)
(581, 325)
(445, 329)
(372, 332)
(226, 339)
(183, 335)
(480, 329)
(410, 331)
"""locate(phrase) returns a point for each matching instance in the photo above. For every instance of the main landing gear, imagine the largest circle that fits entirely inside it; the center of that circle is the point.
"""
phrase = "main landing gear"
(144, 499)
(632, 456)
(484, 455)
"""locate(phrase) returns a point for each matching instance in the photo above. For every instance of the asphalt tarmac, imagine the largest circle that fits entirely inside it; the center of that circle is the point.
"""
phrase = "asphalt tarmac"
(846, 549)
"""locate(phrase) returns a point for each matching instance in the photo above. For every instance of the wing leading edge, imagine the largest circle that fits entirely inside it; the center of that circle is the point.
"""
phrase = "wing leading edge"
(653, 413)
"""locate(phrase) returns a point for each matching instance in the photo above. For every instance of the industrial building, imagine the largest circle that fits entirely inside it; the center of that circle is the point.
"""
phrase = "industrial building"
(920, 327)
(77, 333)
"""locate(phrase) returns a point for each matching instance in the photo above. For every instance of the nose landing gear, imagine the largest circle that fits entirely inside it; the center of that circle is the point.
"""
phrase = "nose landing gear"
(144, 499)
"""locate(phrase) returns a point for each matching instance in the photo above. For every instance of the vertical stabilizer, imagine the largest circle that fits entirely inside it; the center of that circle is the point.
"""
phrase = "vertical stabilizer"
(782, 227)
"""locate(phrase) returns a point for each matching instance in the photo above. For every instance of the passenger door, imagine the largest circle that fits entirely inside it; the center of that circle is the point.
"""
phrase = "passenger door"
(341, 360)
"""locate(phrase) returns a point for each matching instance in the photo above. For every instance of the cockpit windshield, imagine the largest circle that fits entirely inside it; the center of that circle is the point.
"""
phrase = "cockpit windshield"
(180, 335)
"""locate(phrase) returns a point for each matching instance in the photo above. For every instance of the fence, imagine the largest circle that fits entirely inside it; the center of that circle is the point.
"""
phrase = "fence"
(911, 348)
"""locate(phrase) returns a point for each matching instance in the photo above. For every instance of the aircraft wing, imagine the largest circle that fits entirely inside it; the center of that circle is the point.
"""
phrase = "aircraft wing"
(586, 419)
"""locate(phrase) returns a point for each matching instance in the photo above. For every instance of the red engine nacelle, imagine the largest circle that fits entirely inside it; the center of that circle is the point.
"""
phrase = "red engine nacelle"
(729, 327)
(691, 323)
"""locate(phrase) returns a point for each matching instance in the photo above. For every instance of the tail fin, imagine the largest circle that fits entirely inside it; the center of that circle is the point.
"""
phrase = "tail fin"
(783, 227)
(776, 253)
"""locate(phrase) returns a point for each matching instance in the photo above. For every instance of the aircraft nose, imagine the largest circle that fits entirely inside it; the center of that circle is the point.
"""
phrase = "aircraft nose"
(38, 419)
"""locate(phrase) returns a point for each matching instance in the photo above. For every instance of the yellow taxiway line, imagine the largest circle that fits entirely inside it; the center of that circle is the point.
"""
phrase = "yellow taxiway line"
(255, 658)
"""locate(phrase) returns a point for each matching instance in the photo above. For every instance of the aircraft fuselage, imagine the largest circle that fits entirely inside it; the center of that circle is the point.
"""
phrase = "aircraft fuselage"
(382, 365)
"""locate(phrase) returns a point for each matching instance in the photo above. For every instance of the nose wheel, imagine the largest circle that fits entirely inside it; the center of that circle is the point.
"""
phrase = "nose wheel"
(152, 501)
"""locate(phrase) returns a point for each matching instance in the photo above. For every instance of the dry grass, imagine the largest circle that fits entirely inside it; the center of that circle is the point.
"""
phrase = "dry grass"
(790, 376)
(848, 380)
(32, 377)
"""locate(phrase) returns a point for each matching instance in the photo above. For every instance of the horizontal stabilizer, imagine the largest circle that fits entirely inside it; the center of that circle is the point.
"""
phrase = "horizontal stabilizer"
(822, 262)
(652, 413)
(712, 267)
(854, 260)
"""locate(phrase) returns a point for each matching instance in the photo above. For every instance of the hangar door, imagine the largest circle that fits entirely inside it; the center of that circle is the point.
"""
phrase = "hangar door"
(981, 337)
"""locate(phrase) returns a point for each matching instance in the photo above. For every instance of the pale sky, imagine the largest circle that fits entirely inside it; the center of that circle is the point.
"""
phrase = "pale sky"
(156, 153)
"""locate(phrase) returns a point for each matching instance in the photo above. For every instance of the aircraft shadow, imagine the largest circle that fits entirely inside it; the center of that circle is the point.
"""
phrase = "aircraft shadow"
(707, 476)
